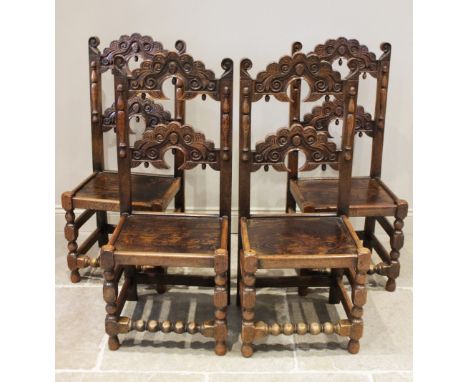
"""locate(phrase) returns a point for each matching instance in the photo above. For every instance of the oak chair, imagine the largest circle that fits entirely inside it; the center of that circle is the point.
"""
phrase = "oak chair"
(143, 240)
(98, 193)
(291, 241)
(370, 196)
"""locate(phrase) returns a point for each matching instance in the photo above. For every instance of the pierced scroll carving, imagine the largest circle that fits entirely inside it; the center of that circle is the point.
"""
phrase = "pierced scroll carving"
(195, 77)
(320, 76)
(161, 138)
(315, 146)
(128, 47)
(321, 117)
(358, 56)
(153, 113)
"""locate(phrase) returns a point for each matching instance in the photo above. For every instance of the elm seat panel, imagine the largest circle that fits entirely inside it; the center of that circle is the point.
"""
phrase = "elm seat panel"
(323, 193)
(145, 188)
(170, 234)
(300, 236)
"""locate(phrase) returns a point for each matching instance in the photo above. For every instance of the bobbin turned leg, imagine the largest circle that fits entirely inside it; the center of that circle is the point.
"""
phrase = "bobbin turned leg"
(396, 243)
(220, 301)
(358, 296)
(71, 234)
(247, 289)
(110, 296)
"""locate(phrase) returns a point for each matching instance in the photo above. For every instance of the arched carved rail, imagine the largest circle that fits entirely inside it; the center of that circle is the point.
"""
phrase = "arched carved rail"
(275, 148)
(277, 77)
(195, 78)
(157, 141)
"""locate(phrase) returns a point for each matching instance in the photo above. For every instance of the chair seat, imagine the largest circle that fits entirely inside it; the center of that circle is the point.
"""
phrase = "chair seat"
(149, 192)
(169, 240)
(369, 196)
(298, 241)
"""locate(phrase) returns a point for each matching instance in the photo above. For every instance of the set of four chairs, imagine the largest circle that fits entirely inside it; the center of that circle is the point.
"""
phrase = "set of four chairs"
(318, 241)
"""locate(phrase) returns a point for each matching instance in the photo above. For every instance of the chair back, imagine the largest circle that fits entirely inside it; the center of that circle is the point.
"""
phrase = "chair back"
(192, 79)
(275, 81)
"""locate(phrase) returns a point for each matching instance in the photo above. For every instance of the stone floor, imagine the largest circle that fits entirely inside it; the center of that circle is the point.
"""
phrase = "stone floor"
(82, 354)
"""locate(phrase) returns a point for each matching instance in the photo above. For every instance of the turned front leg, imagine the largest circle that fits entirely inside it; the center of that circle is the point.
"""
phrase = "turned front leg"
(110, 296)
(396, 243)
(358, 296)
(247, 290)
(71, 234)
(220, 301)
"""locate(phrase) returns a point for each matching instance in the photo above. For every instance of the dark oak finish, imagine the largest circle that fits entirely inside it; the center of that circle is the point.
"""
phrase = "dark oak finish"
(170, 234)
(370, 197)
(299, 236)
(99, 192)
(143, 241)
(151, 193)
(299, 241)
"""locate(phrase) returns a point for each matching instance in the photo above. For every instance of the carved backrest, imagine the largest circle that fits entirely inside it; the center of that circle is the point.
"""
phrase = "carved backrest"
(134, 47)
(358, 58)
(278, 78)
(192, 79)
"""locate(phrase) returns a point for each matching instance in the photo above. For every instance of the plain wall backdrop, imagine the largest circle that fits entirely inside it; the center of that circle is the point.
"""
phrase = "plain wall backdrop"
(214, 29)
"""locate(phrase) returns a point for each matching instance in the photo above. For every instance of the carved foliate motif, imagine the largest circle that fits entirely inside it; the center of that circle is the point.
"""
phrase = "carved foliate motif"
(314, 144)
(358, 56)
(156, 141)
(195, 77)
(320, 76)
(153, 113)
(128, 47)
(321, 117)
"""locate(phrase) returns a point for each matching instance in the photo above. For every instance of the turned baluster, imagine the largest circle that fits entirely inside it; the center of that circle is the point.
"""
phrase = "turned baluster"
(358, 296)
(110, 296)
(247, 287)
(71, 234)
(220, 301)
(396, 243)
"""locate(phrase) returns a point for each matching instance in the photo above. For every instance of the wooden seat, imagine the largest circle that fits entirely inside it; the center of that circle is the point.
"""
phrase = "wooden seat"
(370, 197)
(299, 241)
(281, 241)
(99, 193)
(197, 236)
(150, 192)
(144, 240)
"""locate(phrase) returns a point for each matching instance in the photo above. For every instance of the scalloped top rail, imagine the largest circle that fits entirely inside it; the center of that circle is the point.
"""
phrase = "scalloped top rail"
(277, 77)
(133, 46)
(358, 55)
(196, 79)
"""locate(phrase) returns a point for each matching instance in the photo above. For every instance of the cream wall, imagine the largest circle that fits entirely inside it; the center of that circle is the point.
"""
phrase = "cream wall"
(260, 30)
